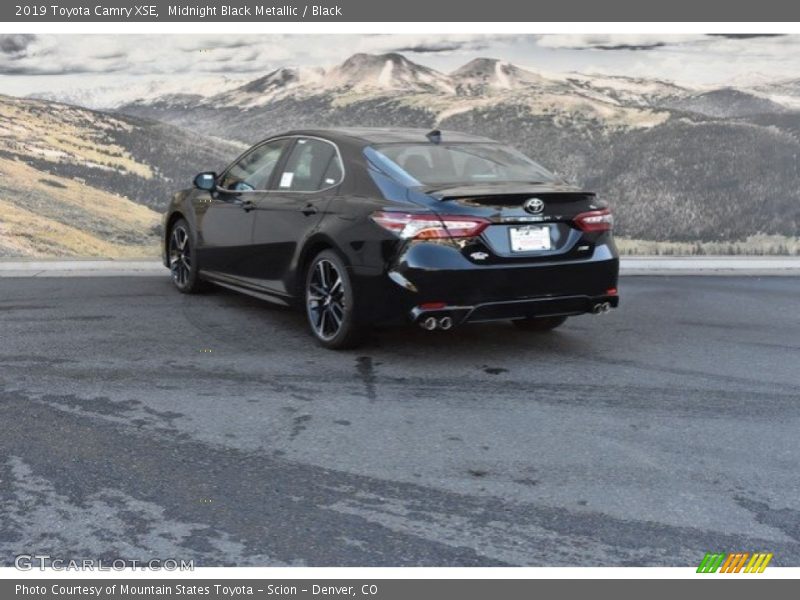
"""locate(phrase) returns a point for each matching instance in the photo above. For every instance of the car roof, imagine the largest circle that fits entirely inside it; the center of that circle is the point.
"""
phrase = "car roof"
(386, 135)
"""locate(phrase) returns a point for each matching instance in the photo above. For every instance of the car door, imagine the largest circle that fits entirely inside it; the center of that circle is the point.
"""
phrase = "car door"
(226, 216)
(302, 189)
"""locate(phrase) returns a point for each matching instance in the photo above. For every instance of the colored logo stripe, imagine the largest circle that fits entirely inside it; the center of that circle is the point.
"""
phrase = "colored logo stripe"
(710, 563)
(734, 562)
(758, 563)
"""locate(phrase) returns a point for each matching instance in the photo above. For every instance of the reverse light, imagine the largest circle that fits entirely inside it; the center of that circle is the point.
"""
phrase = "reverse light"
(595, 220)
(428, 226)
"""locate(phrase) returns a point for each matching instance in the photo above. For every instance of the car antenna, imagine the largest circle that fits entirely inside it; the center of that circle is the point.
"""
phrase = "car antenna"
(434, 136)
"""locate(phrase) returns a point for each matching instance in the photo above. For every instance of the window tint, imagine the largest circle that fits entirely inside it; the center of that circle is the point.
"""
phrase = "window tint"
(436, 164)
(254, 170)
(313, 165)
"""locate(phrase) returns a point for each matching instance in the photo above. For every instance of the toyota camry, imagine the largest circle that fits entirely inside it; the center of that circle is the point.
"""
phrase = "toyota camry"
(362, 226)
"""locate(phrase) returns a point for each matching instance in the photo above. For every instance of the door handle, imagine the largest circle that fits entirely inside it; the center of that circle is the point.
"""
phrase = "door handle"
(309, 209)
(247, 205)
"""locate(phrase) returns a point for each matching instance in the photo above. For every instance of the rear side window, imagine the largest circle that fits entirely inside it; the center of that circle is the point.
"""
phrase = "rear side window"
(312, 165)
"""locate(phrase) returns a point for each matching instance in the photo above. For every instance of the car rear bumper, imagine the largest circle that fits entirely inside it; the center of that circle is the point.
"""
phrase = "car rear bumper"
(438, 280)
(556, 306)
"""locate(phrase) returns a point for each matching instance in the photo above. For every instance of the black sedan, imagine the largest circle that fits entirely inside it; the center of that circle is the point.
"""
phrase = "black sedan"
(369, 226)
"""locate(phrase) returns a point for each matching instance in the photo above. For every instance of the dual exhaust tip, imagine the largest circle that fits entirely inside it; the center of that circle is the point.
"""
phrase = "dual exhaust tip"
(601, 307)
(444, 323)
(431, 323)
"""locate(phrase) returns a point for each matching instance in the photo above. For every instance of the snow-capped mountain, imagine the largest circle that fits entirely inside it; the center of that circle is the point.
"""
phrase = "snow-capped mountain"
(482, 75)
(363, 72)
(366, 78)
(281, 79)
(388, 88)
(367, 75)
(272, 86)
(617, 101)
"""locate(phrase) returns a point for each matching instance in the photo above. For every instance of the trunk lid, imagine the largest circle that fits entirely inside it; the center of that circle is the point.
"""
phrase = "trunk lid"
(528, 221)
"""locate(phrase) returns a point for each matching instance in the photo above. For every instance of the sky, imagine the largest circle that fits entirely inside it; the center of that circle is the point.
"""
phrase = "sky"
(53, 63)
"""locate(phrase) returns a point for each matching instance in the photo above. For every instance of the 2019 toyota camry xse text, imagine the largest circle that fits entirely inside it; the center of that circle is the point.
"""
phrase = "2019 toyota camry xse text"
(366, 226)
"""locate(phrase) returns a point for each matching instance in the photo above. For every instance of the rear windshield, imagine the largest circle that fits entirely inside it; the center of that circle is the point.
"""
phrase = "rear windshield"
(439, 164)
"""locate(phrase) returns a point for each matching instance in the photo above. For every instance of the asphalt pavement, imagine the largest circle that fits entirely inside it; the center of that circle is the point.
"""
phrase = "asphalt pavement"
(139, 423)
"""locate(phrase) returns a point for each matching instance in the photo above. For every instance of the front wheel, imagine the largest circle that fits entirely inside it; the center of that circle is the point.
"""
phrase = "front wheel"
(539, 323)
(182, 257)
(330, 302)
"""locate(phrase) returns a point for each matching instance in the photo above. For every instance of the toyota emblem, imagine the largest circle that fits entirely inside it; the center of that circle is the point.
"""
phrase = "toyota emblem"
(534, 205)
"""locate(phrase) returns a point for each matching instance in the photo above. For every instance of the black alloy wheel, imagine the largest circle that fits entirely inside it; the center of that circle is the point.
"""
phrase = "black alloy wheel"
(182, 259)
(330, 302)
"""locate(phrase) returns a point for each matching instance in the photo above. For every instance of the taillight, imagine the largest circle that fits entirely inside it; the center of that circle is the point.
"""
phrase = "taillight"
(432, 305)
(595, 220)
(428, 226)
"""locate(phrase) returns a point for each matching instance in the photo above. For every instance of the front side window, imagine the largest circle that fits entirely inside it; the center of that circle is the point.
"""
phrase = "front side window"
(459, 163)
(312, 165)
(254, 170)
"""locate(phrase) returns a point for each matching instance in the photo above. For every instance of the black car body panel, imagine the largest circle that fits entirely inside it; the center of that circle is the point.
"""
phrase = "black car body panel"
(261, 242)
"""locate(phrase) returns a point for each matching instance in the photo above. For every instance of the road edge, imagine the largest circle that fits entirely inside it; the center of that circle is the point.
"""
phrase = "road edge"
(756, 266)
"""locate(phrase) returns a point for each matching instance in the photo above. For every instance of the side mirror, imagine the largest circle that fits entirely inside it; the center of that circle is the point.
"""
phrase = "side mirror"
(206, 181)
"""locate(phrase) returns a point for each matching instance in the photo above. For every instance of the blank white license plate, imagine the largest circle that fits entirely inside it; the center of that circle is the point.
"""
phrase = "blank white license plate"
(530, 238)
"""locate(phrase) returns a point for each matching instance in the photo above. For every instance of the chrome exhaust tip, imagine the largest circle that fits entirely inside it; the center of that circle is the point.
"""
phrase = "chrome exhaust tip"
(428, 323)
(597, 309)
(445, 323)
(606, 307)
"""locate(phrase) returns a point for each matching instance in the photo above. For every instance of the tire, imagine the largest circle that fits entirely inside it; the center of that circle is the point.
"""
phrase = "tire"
(330, 302)
(539, 323)
(182, 259)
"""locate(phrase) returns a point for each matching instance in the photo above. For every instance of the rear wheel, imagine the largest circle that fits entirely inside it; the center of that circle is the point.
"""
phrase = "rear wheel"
(182, 255)
(330, 302)
(539, 323)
